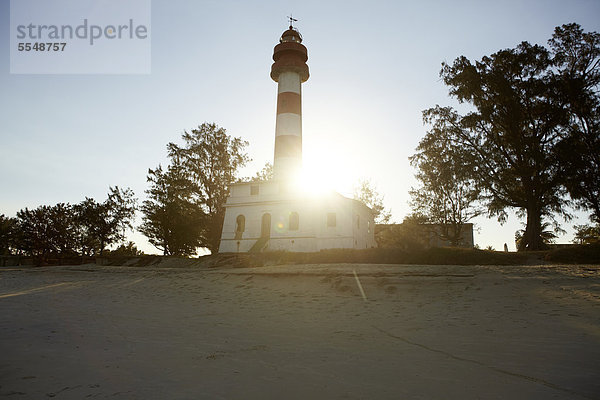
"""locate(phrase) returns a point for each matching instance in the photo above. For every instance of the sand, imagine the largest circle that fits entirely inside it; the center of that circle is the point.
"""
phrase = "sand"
(300, 332)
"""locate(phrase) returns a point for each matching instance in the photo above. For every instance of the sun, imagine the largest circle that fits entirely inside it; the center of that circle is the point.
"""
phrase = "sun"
(312, 183)
(323, 173)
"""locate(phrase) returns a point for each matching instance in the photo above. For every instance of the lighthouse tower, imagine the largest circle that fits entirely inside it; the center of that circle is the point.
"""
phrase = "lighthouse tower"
(289, 71)
(274, 215)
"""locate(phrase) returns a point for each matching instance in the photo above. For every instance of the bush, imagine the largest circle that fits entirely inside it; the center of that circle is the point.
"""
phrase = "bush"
(576, 254)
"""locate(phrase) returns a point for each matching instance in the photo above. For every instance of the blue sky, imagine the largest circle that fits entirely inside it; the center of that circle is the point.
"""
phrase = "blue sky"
(374, 67)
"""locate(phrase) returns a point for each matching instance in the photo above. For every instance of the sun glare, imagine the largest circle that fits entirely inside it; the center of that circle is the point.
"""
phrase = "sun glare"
(318, 178)
(313, 184)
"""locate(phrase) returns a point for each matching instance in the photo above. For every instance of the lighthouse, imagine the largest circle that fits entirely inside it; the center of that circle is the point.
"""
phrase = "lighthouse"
(276, 215)
(289, 70)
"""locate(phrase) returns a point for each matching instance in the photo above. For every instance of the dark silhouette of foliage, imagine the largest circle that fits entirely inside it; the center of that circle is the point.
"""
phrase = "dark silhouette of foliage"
(128, 249)
(66, 230)
(173, 218)
(586, 234)
(522, 117)
(547, 233)
(46, 231)
(448, 193)
(103, 224)
(577, 59)
(576, 254)
(210, 159)
(8, 232)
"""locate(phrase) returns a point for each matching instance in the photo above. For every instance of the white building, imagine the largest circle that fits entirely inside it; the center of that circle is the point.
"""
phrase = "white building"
(277, 214)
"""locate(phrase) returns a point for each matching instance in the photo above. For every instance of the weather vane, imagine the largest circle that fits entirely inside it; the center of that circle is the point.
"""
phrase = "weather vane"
(292, 20)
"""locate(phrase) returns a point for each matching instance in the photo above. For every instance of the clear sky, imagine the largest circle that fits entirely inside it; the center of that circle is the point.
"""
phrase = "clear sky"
(374, 67)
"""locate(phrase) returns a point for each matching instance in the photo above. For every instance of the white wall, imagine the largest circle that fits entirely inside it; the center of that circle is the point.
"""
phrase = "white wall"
(313, 234)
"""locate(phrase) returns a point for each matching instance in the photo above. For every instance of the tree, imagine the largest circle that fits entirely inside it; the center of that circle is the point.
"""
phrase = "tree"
(265, 174)
(448, 194)
(127, 249)
(547, 234)
(173, 218)
(366, 192)
(8, 234)
(210, 159)
(577, 59)
(89, 215)
(47, 231)
(122, 206)
(513, 138)
(34, 226)
(103, 224)
(62, 230)
(586, 234)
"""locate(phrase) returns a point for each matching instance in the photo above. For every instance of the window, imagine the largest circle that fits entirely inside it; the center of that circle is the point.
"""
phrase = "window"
(254, 190)
(240, 226)
(331, 220)
(294, 221)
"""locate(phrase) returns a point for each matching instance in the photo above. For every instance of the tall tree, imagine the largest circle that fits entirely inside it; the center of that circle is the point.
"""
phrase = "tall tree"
(448, 193)
(8, 232)
(122, 205)
(522, 115)
(89, 215)
(577, 60)
(366, 192)
(172, 216)
(210, 159)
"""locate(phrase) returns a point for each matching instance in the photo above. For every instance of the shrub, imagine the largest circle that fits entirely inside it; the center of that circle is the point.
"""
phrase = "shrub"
(576, 254)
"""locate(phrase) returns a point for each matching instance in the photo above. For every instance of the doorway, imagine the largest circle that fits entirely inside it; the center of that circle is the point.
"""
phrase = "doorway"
(265, 227)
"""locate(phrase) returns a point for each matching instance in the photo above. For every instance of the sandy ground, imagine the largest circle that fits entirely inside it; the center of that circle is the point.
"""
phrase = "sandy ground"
(300, 332)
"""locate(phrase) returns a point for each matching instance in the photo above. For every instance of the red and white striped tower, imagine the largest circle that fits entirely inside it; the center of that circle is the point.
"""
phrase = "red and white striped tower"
(289, 70)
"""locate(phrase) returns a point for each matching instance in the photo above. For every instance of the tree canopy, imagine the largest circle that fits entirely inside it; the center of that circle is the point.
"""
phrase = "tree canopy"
(528, 104)
(577, 60)
(173, 218)
(448, 193)
(103, 224)
(193, 190)
(366, 192)
(65, 230)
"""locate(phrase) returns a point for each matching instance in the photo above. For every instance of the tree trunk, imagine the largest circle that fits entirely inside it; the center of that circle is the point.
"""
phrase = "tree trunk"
(532, 238)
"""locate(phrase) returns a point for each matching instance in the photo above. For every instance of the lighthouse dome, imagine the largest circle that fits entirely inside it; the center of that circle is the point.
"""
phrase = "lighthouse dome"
(291, 35)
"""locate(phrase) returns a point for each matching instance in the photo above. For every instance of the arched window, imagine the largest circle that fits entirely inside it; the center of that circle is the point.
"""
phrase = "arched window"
(240, 226)
(294, 221)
